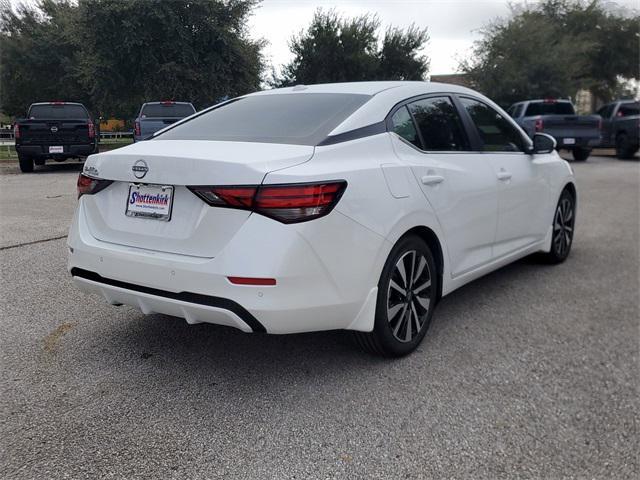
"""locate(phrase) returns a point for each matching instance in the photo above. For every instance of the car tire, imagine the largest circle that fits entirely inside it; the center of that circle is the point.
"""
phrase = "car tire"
(624, 149)
(580, 154)
(26, 163)
(564, 218)
(403, 315)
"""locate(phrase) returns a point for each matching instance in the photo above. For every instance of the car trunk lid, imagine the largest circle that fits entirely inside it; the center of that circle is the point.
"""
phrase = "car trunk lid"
(194, 228)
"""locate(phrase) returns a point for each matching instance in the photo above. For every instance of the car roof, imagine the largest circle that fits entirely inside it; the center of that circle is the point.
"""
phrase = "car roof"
(166, 101)
(386, 94)
(361, 88)
(57, 103)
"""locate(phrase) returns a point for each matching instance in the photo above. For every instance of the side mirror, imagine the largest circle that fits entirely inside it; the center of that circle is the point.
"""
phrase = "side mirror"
(543, 143)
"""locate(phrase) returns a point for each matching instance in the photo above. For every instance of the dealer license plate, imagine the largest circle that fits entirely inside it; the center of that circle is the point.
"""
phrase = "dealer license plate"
(150, 201)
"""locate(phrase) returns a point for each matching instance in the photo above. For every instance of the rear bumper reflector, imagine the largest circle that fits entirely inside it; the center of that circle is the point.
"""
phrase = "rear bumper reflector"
(197, 298)
(252, 281)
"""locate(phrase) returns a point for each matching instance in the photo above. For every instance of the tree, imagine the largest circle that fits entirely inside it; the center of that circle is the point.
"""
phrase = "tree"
(335, 49)
(143, 50)
(553, 49)
(114, 55)
(38, 56)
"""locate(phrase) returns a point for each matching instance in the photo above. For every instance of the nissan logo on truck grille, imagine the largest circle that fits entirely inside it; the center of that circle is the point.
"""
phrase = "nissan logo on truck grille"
(140, 169)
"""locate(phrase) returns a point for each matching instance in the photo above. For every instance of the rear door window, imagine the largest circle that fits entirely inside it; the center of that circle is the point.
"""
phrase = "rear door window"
(167, 110)
(58, 112)
(496, 132)
(439, 124)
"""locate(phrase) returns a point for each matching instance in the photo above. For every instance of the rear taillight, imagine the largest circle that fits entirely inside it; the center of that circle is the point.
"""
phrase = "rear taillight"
(16, 131)
(136, 129)
(539, 126)
(92, 130)
(89, 185)
(289, 203)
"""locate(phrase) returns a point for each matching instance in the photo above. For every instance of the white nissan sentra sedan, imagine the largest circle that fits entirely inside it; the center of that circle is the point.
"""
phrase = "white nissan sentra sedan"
(351, 206)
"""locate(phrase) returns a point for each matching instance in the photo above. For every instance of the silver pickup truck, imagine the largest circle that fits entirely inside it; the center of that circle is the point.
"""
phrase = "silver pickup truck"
(154, 116)
(577, 133)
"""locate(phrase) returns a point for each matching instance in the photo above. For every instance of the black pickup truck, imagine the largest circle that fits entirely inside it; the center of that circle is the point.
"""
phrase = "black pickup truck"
(54, 130)
(621, 127)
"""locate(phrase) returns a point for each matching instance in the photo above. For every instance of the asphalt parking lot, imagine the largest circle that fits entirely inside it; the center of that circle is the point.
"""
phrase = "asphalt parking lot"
(531, 372)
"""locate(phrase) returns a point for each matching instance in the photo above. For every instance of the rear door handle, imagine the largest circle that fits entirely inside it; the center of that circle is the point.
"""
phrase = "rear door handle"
(504, 175)
(432, 179)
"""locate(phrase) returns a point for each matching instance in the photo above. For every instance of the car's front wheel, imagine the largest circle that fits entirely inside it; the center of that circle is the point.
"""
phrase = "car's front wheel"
(407, 293)
(564, 220)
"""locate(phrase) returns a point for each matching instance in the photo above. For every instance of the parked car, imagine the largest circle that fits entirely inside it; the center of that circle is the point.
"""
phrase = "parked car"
(54, 130)
(577, 133)
(350, 206)
(621, 126)
(154, 116)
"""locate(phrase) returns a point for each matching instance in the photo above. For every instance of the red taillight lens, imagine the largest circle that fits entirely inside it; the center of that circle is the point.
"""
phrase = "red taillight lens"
(89, 185)
(136, 129)
(92, 130)
(291, 203)
(539, 126)
(16, 131)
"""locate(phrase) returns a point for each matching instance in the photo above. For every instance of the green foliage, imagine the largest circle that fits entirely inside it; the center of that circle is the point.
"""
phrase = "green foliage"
(553, 49)
(38, 56)
(335, 49)
(114, 55)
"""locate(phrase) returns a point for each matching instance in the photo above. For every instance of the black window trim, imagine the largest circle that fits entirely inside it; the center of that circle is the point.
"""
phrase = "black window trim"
(407, 101)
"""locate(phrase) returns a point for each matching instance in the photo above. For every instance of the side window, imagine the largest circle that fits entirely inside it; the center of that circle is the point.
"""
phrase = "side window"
(439, 124)
(628, 109)
(518, 112)
(403, 125)
(496, 132)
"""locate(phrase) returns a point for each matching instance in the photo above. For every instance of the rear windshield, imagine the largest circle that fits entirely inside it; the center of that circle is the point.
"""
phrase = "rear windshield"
(58, 112)
(292, 118)
(549, 108)
(628, 109)
(167, 110)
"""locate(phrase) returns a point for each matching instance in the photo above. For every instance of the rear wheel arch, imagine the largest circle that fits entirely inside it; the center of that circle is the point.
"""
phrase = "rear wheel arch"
(433, 242)
(571, 188)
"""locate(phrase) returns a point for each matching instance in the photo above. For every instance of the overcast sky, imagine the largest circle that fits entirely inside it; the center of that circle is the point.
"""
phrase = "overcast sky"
(453, 25)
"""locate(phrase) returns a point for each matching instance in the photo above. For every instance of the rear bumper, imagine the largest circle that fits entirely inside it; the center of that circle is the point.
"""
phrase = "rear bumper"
(42, 151)
(571, 142)
(319, 286)
(193, 307)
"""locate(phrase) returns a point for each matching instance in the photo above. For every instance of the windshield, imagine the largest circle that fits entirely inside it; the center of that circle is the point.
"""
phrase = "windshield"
(58, 112)
(549, 108)
(291, 118)
(167, 110)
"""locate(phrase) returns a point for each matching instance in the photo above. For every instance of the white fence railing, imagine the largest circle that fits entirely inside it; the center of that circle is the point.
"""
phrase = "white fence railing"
(7, 138)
